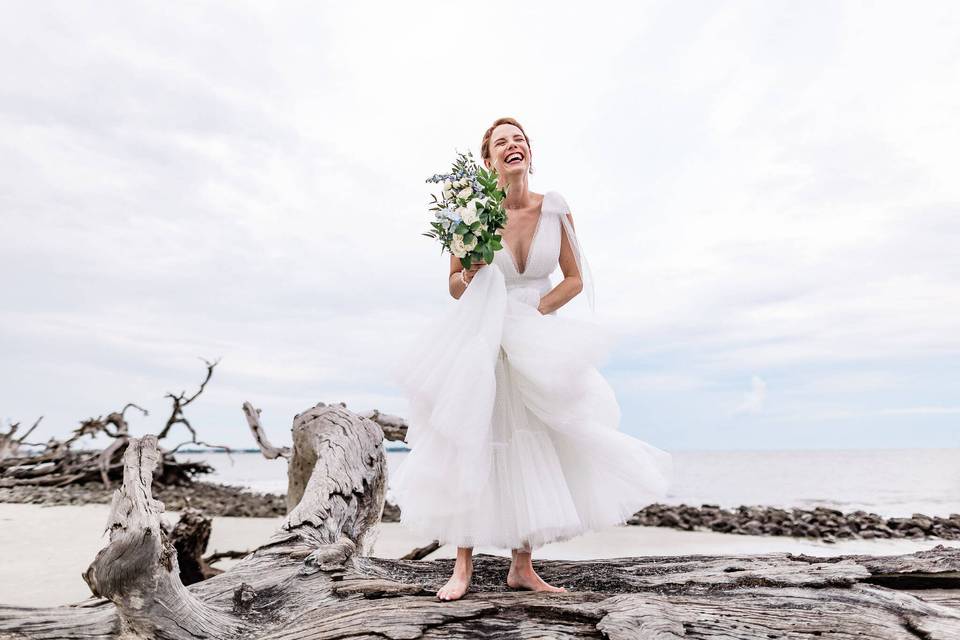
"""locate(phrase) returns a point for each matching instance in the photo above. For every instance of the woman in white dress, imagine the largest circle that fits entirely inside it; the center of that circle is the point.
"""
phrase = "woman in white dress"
(513, 431)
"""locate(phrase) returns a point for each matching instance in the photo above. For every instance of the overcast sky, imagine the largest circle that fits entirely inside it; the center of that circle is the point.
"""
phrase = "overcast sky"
(767, 193)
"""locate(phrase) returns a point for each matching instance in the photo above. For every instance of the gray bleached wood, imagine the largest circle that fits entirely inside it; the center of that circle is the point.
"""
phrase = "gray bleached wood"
(311, 579)
(138, 570)
(269, 451)
(394, 427)
(58, 465)
(10, 445)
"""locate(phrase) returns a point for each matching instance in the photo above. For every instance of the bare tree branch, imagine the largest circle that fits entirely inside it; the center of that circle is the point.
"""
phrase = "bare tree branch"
(221, 555)
(180, 402)
(394, 427)
(29, 431)
(420, 553)
(270, 452)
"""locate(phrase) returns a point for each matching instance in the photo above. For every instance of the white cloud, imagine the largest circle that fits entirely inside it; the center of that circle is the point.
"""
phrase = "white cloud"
(754, 399)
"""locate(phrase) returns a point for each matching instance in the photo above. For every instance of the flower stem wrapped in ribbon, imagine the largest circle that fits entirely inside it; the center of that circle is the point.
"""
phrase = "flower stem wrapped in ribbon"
(469, 212)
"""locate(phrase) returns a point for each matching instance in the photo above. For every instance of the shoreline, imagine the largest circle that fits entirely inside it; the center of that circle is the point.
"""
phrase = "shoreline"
(44, 559)
(213, 499)
(820, 523)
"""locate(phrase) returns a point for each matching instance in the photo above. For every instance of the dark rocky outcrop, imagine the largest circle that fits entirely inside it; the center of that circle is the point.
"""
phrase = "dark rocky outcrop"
(210, 498)
(821, 523)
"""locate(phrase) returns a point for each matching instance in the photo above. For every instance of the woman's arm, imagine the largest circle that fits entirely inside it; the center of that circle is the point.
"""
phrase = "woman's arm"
(455, 284)
(572, 283)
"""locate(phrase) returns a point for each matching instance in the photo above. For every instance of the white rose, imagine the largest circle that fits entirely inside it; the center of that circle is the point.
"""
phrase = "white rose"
(447, 194)
(469, 214)
(470, 244)
(457, 247)
(466, 193)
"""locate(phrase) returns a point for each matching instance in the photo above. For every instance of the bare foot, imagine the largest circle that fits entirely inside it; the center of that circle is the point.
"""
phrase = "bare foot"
(457, 585)
(527, 578)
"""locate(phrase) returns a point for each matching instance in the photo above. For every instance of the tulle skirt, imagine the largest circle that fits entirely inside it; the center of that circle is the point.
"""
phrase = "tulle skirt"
(513, 432)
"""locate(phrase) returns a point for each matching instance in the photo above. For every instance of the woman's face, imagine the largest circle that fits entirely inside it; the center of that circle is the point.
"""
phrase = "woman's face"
(509, 151)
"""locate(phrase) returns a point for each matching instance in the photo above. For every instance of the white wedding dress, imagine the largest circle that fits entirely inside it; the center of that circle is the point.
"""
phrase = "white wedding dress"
(513, 432)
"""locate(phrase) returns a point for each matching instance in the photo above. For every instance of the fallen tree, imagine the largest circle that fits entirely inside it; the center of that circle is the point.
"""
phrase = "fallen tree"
(314, 578)
(11, 445)
(59, 465)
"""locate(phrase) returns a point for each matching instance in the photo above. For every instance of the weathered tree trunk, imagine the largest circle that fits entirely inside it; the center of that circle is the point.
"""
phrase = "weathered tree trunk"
(314, 579)
(10, 444)
(190, 537)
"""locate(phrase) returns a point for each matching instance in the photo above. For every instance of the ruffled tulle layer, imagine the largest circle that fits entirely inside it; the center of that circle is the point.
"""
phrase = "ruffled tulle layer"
(513, 431)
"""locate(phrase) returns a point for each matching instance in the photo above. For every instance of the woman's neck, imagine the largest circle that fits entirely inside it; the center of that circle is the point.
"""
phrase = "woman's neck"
(518, 194)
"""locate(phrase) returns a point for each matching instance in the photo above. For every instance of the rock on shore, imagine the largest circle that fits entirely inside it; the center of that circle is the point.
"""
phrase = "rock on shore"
(210, 498)
(825, 524)
(818, 523)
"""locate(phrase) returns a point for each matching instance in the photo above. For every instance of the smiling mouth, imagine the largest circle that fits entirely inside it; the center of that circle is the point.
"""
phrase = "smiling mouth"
(514, 158)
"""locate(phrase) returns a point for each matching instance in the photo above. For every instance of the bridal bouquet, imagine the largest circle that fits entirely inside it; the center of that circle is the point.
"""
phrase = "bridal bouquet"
(469, 213)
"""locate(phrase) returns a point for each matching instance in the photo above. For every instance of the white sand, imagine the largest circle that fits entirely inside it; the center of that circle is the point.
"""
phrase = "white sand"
(44, 550)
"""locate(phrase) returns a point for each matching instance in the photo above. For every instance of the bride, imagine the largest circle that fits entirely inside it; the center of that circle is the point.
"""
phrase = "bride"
(513, 431)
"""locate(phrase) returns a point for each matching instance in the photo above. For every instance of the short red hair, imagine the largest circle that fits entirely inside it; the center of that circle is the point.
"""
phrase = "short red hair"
(485, 144)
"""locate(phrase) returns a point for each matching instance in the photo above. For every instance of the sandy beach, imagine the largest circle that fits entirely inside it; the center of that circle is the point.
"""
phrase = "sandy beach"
(45, 549)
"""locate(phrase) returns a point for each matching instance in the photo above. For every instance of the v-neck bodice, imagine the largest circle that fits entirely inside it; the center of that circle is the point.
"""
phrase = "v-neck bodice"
(533, 241)
(543, 255)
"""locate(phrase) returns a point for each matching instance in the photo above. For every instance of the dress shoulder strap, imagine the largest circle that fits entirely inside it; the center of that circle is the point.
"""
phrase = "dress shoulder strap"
(555, 204)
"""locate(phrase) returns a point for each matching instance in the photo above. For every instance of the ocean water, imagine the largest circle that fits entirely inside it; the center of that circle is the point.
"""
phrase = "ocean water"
(891, 482)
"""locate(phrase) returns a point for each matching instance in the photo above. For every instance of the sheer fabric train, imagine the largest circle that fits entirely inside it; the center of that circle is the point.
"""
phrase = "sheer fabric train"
(513, 432)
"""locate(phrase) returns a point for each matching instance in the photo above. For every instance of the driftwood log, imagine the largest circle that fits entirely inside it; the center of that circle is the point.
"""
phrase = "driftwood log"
(190, 537)
(10, 444)
(314, 578)
(59, 465)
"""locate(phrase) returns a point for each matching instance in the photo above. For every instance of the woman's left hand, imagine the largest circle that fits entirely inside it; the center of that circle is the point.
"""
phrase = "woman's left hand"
(470, 273)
